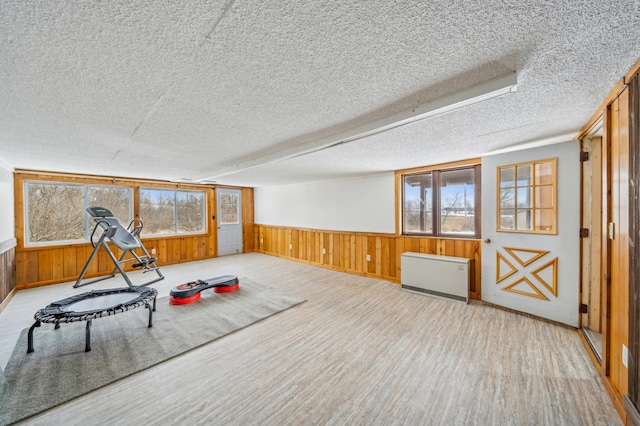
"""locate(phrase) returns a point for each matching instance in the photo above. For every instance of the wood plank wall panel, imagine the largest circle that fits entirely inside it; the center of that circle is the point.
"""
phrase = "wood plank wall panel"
(591, 245)
(248, 220)
(7, 273)
(347, 251)
(619, 246)
(633, 402)
(37, 266)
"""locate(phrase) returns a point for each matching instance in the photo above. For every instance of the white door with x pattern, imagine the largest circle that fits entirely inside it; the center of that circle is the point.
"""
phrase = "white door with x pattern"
(530, 231)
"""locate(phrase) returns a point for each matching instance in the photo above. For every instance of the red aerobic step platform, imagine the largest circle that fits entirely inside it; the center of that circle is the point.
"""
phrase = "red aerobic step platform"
(187, 293)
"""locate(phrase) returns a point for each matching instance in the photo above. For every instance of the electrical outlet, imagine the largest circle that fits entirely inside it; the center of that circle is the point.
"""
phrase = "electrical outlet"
(625, 356)
(261, 240)
(324, 251)
(368, 258)
(290, 246)
(153, 250)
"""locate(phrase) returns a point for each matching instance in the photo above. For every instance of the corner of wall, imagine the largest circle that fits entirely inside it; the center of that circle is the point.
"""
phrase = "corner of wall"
(7, 234)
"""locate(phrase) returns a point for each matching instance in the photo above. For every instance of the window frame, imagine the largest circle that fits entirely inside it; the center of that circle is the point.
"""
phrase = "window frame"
(436, 172)
(87, 226)
(533, 186)
(23, 177)
(175, 232)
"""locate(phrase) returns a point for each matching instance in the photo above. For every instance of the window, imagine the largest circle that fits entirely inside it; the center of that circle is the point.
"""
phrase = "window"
(56, 211)
(527, 197)
(165, 211)
(442, 202)
(229, 209)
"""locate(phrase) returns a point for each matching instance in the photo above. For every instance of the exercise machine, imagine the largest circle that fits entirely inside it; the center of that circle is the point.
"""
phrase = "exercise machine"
(187, 293)
(126, 239)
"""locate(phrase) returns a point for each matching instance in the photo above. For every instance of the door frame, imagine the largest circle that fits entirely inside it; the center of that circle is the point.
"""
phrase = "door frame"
(240, 225)
(593, 190)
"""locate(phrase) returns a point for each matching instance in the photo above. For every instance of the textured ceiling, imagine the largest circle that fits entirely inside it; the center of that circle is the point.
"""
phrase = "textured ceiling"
(191, 89)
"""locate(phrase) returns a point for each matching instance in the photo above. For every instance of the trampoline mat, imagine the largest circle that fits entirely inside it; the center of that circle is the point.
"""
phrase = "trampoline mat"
(101, 303)
(97, 303)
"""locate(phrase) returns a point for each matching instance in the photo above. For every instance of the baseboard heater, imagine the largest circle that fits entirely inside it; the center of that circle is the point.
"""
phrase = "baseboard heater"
(439, 276)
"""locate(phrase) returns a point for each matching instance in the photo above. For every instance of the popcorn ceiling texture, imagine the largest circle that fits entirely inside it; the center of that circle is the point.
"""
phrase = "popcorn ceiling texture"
(170, 90)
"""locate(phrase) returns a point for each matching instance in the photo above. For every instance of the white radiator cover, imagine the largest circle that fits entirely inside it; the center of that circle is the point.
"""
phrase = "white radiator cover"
(440, 276)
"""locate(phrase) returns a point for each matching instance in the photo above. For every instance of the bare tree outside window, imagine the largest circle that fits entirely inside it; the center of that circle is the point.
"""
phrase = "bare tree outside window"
(157, 211)
(55, 212)
(116, 199)
(190, 211)
(165, 211)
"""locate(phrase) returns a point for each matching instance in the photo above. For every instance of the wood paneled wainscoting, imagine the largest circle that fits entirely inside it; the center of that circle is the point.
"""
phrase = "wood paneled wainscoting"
(50, 265)
(7, 270)
(348, 251)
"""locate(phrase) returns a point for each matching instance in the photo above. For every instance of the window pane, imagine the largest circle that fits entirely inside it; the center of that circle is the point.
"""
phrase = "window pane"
(157, 211)
(507, 177)
(534, 190)
(457, 202)
(544, 220)
(507, 198)
(418, 204)
(229, 209)
(524, 219)
(116, 199)
(507, 219)
(524, 175)
(190, 211)
(55, 212)
(544, 173)
(524, 197)
(544, 196)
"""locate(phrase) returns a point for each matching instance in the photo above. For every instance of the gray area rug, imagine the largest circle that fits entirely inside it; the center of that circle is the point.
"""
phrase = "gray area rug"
(59, 370)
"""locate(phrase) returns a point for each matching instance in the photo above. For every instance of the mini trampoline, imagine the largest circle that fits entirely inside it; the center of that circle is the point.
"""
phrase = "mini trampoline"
(94, 304)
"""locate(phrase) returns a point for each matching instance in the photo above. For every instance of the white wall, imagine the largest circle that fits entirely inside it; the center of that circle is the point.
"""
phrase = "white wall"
(7, 221)
(360, 205)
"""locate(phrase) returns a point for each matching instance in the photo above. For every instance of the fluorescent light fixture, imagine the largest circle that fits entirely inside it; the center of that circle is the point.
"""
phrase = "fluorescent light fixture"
(481, 92)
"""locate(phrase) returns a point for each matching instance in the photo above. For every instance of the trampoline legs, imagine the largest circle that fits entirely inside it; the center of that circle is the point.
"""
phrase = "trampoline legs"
(87, 346)
(148, 306)
(30, 337)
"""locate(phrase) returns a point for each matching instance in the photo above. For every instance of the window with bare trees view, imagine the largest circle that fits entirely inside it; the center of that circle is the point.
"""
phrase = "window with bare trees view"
(165, 211)
(442, 202)
(56, 212)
